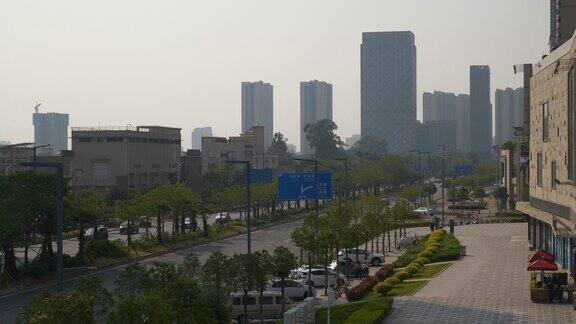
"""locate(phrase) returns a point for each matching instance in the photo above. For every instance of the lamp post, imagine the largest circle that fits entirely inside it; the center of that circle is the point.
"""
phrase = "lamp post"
(248, 202)
(419, 174)
(317, 214)
(443, 146)
(345, 160)
(35, 148)
(427, 173)
(59, 220)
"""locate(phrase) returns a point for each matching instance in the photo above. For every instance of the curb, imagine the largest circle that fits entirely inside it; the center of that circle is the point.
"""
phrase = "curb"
(50, 281)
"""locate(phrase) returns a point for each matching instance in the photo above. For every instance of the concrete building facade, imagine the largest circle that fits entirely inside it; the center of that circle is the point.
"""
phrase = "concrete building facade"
(388, 88)
(438, 106)
(480, 110)
(315, 105)
(12, 155)
(125, 157)
(509, 113)
(258, 108)
(551, 208)
(197, 134)
(50, 129)
(562, 22)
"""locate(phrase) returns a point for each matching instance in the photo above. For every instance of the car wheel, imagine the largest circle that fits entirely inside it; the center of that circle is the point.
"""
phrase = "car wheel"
(376, 262)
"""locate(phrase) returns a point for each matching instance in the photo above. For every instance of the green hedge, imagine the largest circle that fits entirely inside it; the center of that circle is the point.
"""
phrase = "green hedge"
(370, 311)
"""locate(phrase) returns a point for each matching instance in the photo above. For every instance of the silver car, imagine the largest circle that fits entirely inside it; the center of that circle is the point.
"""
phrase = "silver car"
(293, 289)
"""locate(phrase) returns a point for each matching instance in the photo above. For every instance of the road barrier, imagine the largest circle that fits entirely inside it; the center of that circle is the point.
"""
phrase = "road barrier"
(302, 313)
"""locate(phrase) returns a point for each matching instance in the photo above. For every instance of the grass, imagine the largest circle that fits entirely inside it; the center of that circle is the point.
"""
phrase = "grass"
(406, 288)
(371, 310)
(430, 271)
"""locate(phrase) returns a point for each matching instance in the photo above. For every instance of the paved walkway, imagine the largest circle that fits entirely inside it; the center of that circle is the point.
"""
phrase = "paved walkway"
(489, 285)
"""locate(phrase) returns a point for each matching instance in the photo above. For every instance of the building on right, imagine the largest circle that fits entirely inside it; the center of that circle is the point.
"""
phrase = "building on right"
(388, 89)
(197, 134)
(551, 207)
(562, 22)
(509, 113)
(315, 105)
(480, 110)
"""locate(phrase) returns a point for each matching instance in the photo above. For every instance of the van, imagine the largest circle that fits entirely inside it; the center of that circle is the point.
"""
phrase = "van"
(271, 305)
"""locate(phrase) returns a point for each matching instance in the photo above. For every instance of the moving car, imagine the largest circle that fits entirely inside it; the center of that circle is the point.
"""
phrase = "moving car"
(361, 255)
(425, 210)
(271, 305)
(126, 229)
(102, 233)
(222, 218)
(293, 289)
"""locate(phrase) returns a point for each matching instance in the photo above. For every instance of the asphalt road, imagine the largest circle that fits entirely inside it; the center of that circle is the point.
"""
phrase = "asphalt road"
(270, 238)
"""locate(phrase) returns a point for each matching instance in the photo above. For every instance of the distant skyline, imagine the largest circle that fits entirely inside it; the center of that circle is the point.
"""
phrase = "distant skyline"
(179, 63)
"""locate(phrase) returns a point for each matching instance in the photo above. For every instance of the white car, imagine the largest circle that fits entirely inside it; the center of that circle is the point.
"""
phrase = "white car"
(318, 278)
(293, 289)
(425, 210)
(271, 306)
(361, 255)
(222, 218)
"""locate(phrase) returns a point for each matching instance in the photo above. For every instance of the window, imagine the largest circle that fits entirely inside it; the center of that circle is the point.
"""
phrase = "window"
(250, 300)
(539, 170)
(571, 122)
(553, 175)
(237, 301)
(278, 300)
(545, 123)
(84, 139)
(267, 300)
(114, 139)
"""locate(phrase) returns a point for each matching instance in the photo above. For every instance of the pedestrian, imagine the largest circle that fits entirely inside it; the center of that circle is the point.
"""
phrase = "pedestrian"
(431, 227)
(358, 269)
(366, 269)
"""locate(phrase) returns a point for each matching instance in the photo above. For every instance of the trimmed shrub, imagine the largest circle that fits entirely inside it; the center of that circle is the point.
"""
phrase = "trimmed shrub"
(411, 269)
(385, 272)
(425, 254)
(105, 249)
(382, 288)
(402, 275)
(362, 289)
(421, 261)
(392, 281)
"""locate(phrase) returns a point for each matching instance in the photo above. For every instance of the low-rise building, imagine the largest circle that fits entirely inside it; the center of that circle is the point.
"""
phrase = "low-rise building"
(12, 155)
(191, 168)
(248, 146)
(551, 209)
(124, 157)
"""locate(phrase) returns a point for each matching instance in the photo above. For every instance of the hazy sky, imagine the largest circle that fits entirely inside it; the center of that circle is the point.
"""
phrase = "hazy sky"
(180, 62)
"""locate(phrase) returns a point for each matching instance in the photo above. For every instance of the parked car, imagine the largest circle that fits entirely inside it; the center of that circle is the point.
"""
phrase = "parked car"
(407, 240)
(102, 233)
(222, 218)
(126, 229)
(354, 269)
(271, 305)
(425, 210)
(318, 278)
(293, 289)
(361, 255)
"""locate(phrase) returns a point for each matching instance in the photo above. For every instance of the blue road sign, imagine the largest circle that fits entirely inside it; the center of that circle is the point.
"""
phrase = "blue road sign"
(302, 185)
(463, 170)
(261, 176)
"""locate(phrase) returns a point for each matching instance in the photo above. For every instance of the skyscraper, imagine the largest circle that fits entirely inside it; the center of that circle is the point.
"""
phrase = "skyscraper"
(388, 88)
(258, 108)
(50, 129)
(480, 110)
(509, 113)
(463, 123)
(315, 105)
(439, 106)
(197, 134)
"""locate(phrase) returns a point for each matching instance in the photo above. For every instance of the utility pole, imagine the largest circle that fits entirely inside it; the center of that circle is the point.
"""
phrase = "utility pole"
(248, 203)
(443, 179)
(345, 160)
(419, 174)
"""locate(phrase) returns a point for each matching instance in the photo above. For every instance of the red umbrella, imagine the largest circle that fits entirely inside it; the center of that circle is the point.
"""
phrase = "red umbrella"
(542, 265)
(541, 255)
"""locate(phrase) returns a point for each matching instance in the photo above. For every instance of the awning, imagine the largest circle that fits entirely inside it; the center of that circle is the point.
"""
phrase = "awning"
(560, 227)
(541, 255)
(542, 265)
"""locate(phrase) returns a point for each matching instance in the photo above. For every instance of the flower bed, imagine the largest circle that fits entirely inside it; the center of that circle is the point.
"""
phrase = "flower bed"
(362, 289)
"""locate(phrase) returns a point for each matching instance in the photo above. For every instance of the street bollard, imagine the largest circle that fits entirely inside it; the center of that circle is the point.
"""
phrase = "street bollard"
(452, 226)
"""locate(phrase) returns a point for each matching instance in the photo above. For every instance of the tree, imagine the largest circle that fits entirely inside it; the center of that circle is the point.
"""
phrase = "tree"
(501, 196)
(284, 261)
(245, 266)
(86, 209)
(218, 275)
(369, 148)
(156, 202)
(304, 237)
(92, 287)
(130, 212)
(279, 146)
(56, 308)
(262, 275)
(323, 139)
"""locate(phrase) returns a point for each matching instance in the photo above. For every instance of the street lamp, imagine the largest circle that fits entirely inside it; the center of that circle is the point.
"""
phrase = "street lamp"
(419, 174)
(316, 205)
(35, 148)
(345, 160)
(443, 146)
(248, 225)
(59, 220)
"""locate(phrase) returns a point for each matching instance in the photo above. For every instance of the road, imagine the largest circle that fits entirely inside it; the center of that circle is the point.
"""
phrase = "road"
(267, 239)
